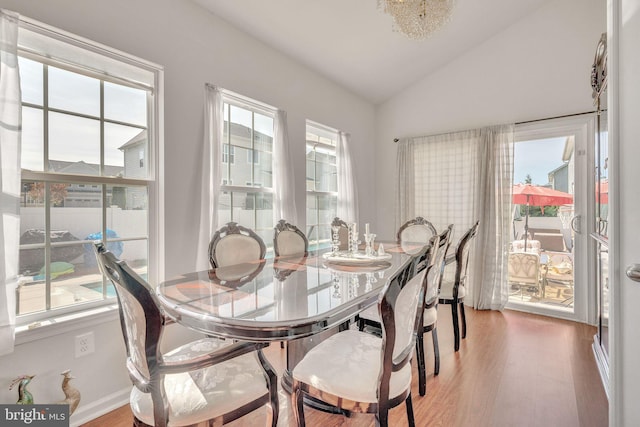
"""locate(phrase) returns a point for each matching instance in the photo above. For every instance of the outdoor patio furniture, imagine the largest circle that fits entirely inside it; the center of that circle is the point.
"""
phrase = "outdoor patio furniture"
(533, 246)
(524, 271)
(558, 272)
(550, 241)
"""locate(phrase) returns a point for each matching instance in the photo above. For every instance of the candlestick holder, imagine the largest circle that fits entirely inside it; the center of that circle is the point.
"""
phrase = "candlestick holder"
(335, 239)
(353, 238)
(369, 239)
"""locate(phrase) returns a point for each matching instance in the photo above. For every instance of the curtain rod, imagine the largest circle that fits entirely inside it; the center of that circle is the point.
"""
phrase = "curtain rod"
(395, 140)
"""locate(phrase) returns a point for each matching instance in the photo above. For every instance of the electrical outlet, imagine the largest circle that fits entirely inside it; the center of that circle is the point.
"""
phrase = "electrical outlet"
(84, 344)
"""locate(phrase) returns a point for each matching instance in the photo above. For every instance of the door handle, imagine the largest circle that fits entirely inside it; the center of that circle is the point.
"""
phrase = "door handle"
(633, 272)
(575, 224)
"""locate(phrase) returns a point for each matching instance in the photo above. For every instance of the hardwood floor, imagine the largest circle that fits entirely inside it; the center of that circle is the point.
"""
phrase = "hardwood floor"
(513, 369)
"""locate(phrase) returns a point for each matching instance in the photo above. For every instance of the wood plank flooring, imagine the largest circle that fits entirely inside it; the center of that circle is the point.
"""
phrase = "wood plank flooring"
(513, 369)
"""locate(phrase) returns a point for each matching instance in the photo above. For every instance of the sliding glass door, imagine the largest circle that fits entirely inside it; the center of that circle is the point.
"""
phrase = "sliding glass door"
(548, 268)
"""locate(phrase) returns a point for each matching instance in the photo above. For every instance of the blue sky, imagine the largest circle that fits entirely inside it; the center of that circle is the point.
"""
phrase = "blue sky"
(537, 158)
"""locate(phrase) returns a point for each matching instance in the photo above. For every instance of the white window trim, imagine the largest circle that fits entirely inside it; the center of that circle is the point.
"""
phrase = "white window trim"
(70, 318)
(256, 107)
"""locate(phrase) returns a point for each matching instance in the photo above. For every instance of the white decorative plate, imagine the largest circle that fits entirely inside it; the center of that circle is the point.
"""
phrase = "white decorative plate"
(359, 258)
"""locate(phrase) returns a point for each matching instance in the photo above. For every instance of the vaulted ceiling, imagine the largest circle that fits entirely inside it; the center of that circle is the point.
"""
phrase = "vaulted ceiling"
(352, 42)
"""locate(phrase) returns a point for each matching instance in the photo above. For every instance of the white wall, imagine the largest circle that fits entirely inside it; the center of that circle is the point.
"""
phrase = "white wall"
(194, 47)
(537, 68)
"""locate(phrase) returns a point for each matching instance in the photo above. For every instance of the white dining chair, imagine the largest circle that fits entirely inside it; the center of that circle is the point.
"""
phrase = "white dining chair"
(371, 317)
(417, 230)
(234, 244)
(289, 240)
(452, 292)
(360, 372)
(205, 380)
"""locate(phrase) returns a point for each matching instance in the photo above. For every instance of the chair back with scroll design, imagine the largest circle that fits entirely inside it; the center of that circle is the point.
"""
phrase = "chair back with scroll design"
(379, 370)
(453, 292)
(433, 278)
(235, 244)
(343, 232)
(417, 230)
(289, 240)
(175, 387)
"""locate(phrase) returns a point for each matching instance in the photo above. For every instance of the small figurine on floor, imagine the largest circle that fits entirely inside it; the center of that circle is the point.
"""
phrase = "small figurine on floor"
(72, 395)
(24, 397)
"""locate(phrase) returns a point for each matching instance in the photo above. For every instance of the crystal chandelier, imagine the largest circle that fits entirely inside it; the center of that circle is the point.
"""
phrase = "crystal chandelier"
(417, 19)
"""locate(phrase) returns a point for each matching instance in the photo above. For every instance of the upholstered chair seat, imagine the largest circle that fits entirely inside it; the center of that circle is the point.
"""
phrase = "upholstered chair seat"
(430, 315)
(347, 365)
(206, 393)
(371, 317)
(452, 292)
(360, 372)
(446, 291)
(205, 380)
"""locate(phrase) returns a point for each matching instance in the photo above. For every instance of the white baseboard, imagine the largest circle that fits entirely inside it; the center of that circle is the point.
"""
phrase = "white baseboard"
(93, 410)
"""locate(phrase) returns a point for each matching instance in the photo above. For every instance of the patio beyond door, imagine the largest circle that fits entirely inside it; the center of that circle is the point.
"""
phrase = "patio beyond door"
(546, 263)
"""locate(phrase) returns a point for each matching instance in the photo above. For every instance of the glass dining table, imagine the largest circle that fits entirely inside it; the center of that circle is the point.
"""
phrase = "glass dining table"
(298, 299)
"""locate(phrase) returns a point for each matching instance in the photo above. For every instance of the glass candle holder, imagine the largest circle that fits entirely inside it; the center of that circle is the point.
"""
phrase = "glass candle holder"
(353, 238)
(335, 238)
(369, 239)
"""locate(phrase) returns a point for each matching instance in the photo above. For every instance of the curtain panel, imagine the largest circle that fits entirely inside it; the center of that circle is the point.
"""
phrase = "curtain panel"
(284, 200)
(10, 175)
(458, 178)
(211, 172)
(347, 208)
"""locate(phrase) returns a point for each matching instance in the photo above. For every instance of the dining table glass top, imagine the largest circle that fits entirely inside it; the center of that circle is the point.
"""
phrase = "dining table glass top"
(283, 298)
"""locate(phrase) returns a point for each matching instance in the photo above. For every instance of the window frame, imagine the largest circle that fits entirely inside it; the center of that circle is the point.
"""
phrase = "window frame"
(256, 188)
(153, 182)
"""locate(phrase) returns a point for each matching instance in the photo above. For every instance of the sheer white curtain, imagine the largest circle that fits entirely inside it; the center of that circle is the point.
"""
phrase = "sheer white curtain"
(405, 190)
(10, 122)
(284, 203)
(459, 178)
(347, 208)
(211, 171)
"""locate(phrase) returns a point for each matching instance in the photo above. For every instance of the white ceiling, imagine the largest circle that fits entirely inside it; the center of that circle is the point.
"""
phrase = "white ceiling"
(352, 42)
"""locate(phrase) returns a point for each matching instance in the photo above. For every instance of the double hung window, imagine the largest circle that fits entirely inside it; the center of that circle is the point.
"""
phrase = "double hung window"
(247, 165)
(89, 165)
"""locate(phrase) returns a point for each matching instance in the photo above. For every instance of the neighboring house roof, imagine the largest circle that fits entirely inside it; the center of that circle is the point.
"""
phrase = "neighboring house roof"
(136, 140)
(242, 136)
(559, 168)
(83, 168)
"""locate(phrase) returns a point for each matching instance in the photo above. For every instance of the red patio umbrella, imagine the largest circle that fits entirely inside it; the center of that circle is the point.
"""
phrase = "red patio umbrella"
(534, 195)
